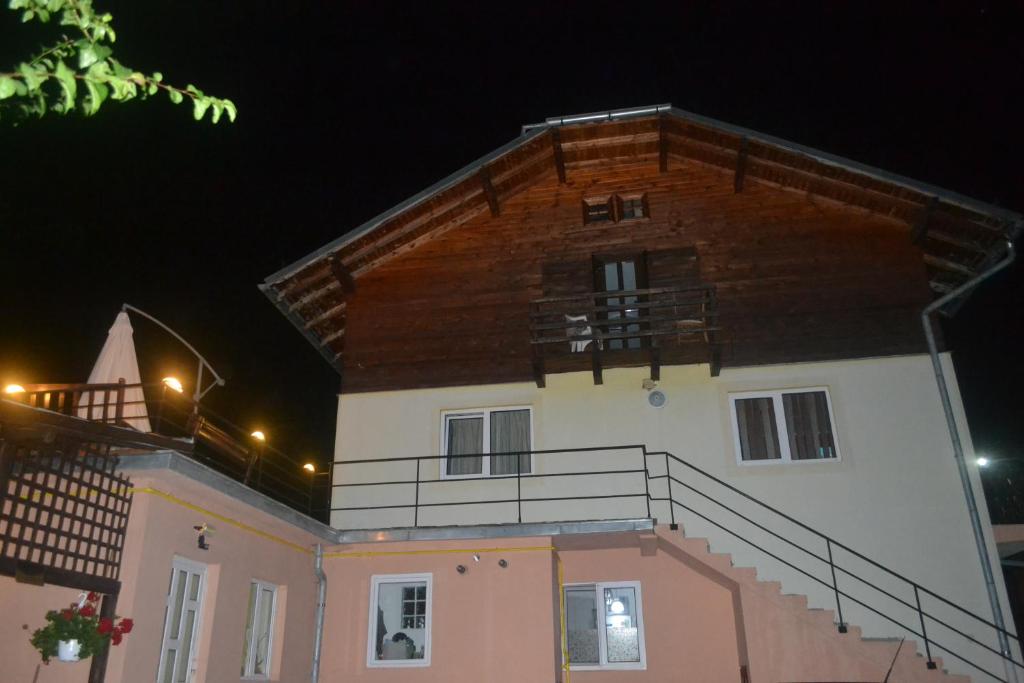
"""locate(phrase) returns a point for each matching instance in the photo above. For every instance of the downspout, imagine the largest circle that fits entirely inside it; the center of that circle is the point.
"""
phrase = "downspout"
(321, 601)
(958, 453)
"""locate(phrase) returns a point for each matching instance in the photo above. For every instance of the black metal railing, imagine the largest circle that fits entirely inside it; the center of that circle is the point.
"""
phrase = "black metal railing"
(417, 484)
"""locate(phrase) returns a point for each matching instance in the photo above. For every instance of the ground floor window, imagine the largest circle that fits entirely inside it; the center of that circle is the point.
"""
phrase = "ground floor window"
(604, 626)
(181, 621)
(400, 612)
(787, 425)
(259, 630)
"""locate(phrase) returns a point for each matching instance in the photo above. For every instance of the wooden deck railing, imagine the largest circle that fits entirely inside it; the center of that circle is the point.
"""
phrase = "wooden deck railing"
(94, 402)
(623, 328)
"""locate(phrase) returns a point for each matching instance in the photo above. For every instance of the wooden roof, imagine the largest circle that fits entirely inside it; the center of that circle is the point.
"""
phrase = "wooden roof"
(959, 236)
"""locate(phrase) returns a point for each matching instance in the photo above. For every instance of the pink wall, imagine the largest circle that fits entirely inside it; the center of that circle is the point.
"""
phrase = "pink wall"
(489, 624)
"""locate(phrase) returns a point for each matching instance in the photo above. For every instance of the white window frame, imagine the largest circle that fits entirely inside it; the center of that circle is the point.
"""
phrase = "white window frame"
(485, 413)
(189, 567)
(250, 663)
(780, 425)
(602, 633)
(371, 632)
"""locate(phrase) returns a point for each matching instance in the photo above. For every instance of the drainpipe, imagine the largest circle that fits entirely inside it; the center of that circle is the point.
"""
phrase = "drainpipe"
(958, 453)
(321, 601)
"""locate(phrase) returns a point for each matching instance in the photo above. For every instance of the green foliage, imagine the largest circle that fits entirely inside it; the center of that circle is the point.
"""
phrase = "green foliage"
(79, 622)
(82, 73)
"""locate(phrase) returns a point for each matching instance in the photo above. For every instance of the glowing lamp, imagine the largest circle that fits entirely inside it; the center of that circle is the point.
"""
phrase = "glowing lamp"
(982, 462)
(14, 389)
(258, 435)
(309, 467)
(173, 383)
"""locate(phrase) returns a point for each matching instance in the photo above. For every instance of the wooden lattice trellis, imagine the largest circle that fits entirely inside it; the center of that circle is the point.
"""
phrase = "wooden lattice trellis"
(63, 512)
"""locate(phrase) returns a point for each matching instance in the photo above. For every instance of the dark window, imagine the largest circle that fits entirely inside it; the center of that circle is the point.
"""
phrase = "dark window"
(597, 210)
(803, 416)
(633, 207)
(414, 607)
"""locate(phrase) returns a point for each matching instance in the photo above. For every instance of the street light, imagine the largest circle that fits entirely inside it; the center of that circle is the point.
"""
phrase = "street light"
(14, 389)
(173, 383)
(982, 461)
(309, 467)
(258, 435)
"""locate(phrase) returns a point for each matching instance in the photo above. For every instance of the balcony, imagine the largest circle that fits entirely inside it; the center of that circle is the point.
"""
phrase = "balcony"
(626, 328)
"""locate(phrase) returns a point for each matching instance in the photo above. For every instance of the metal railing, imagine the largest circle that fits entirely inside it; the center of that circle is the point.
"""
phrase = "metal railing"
(197, 431)
(850, 577)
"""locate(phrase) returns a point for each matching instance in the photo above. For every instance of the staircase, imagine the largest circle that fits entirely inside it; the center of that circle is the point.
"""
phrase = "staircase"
(854, 580)
(788, 642)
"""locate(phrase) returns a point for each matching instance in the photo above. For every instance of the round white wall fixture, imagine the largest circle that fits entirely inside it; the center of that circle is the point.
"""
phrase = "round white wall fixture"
(656, 398)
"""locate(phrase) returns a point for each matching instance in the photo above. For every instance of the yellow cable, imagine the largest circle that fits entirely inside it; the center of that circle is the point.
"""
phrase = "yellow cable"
(241, 525)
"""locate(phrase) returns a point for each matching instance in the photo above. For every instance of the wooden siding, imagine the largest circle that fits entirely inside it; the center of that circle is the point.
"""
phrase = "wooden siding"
(799, 277)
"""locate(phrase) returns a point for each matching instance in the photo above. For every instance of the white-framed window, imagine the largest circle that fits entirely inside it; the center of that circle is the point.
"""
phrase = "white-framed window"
(783, 425)
(604, 624)
(486, 442)
(259, 630)
(184, 607)
(399, 624)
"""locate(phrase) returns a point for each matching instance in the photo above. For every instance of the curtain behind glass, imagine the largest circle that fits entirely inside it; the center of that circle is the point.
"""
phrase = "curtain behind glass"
(759, 436)
(465, 436)
(581, 625)
(810, 430)
(510, 433)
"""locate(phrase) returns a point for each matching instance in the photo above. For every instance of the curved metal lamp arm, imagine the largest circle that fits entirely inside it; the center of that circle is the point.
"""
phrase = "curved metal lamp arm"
(199, 392)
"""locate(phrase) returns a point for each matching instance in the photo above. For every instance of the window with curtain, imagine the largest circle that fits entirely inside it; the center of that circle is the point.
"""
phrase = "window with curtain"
(259, 630)
(487, 442)
(399, 628)
(783, 426)
(604, 626)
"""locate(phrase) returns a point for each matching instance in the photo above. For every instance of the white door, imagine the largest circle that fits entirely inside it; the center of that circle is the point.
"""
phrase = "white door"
(181, 621)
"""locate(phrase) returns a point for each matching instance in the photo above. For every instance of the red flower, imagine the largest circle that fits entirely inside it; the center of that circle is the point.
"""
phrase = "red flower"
(126, 625)
(92, 597)
(87, 611)
(67, 614)
(106, 625)
(116, 638)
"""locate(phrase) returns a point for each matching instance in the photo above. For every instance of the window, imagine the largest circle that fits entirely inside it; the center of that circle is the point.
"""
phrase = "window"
(259, 630)
(789, 425)
(399, 627)
(475, 434)
(632, 207)
(181, 621)
(604, 626)
(597, 210)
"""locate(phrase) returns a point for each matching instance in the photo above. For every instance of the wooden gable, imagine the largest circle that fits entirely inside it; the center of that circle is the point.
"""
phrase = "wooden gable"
(777, 205)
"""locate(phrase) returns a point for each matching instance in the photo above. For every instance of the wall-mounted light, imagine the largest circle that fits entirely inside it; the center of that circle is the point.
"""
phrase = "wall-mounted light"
(503, 563)
(982, 461)
(461, 568)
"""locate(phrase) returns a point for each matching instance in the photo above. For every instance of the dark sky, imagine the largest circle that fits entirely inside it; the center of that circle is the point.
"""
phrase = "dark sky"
(346, 108)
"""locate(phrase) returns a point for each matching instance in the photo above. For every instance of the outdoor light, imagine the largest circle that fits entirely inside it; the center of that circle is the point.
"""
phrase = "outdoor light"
(982, 462)
(258, 435)
(14, 389)
(173, 383)
(309, 467)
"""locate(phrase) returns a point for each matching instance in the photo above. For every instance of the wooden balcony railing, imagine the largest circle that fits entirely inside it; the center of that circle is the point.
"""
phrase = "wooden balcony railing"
(624, 328)
(94, 402)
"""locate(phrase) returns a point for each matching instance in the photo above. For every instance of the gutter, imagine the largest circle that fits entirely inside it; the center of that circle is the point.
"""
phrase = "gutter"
(321, 602)
(958, 453)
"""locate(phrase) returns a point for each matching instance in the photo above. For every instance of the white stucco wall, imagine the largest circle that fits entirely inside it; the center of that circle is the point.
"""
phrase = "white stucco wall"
(894, 495)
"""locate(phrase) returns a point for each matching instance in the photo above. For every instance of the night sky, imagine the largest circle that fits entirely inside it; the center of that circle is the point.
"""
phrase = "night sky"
(345, 109)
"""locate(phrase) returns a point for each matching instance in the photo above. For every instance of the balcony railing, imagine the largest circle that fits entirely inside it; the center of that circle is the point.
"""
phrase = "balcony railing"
(629, 482)
(196, 431)
(624, 328)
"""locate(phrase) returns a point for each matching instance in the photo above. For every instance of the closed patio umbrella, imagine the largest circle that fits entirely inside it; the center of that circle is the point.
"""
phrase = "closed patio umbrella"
(117, 361)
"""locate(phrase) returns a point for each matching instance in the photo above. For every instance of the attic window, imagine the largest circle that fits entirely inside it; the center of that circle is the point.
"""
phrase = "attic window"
(597, 210)
(634, 206)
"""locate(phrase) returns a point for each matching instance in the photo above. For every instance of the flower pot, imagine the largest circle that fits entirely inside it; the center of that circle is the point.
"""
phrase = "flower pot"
(67, 650)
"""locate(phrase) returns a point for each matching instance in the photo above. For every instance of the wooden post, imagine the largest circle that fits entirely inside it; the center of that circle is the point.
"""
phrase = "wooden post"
(98, 667)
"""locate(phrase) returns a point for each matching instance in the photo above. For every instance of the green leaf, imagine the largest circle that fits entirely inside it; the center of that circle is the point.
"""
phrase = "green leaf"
(97, 93)
(8, 86)
(27, 16)
(66, 78)
(91, 53)
(32, 76)
(217, 109)
(175, 96)
(199, 107)
(229, 107)
(157, 76)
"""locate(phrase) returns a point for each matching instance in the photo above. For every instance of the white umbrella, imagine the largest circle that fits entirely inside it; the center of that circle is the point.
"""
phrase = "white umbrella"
(117, 361)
